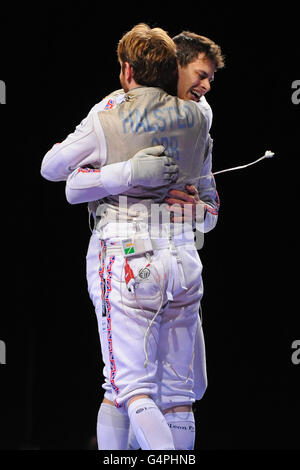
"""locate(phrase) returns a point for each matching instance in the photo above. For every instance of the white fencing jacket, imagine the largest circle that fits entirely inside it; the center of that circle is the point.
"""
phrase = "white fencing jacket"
(79, 161)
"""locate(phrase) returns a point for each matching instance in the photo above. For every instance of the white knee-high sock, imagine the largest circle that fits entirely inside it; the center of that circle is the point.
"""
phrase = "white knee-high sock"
(112, 428)
(149, 425)
(132, 440)
(182, 426)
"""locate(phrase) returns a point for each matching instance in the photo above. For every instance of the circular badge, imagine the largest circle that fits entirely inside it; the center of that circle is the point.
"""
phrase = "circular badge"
(144, 273)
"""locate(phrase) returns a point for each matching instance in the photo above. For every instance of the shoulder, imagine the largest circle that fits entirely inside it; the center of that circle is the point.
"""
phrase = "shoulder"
(110, 101)
(205, 107)
(192, 106)
(113, 99)
(201, 109)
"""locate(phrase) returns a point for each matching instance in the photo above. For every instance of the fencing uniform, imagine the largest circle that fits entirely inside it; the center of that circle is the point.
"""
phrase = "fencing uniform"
(148, 339)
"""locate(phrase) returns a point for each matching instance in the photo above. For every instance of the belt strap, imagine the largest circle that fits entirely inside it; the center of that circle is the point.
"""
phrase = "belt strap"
(157, 244)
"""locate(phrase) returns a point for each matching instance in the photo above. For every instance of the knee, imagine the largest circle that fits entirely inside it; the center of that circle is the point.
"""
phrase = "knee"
(178, 409)
(136, 397)
(108, 402)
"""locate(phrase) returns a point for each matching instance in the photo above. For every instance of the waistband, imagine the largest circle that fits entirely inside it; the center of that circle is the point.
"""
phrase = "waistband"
(115, 247)
(178, 232)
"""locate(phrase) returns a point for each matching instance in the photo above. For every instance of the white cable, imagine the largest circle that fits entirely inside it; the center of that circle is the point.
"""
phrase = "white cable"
(268, 154)
(146, 363)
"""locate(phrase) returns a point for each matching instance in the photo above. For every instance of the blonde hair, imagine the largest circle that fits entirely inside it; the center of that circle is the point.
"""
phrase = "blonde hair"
(152, 55)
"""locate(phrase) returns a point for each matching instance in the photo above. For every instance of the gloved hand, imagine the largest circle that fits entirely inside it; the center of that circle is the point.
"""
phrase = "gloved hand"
(152, 168)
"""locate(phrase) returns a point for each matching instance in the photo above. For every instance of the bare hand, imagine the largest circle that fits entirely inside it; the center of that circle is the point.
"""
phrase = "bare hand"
(185, 204)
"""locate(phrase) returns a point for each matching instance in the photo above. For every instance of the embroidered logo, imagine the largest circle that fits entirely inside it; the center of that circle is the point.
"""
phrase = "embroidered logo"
(110, 104)
(144, 273)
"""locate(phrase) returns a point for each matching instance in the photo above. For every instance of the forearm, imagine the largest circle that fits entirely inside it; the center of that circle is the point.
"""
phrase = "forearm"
(208, 194)
(210, 219)
(147, 168)
(86, 184)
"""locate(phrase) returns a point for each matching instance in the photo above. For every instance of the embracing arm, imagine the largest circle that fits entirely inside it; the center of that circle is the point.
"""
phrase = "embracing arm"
(79, 161)
(148, 167)
(91, 184)
(208, 194)
(201, 204)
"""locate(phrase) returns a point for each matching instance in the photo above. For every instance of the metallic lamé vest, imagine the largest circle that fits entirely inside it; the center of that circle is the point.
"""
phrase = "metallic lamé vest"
(147, 117)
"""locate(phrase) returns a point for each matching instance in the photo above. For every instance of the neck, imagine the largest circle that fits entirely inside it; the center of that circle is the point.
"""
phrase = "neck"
(132, 85)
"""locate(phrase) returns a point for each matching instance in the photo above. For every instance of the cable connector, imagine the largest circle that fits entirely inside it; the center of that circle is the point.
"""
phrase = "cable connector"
(129, 277)
(269, 154)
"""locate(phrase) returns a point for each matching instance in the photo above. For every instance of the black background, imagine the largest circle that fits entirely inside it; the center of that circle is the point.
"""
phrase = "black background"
(57, 62)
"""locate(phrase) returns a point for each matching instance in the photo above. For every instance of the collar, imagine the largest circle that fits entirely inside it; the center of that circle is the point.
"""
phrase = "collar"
(142, 90)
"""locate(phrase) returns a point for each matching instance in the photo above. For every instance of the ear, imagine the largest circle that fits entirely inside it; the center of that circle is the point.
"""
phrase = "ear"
(128, 71)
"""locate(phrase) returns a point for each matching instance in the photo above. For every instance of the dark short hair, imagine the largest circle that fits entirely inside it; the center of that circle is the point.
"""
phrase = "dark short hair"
(189, 45)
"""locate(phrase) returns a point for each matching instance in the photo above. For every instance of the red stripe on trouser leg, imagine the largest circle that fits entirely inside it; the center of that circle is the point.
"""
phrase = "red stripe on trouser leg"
(109, 335)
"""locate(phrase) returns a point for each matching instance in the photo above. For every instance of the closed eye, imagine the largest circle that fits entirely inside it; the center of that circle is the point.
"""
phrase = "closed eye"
(204, 75)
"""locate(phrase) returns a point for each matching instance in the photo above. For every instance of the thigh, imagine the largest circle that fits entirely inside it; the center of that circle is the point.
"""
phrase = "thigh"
(93, 272)
(133, 323)
(176, 356)
(179, 334)
(95, 285)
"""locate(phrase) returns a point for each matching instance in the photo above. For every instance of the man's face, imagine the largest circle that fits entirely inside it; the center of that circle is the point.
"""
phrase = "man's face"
(194, 79)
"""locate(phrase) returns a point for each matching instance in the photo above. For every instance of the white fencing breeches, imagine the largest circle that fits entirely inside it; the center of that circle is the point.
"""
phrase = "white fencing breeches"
(173, 347)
